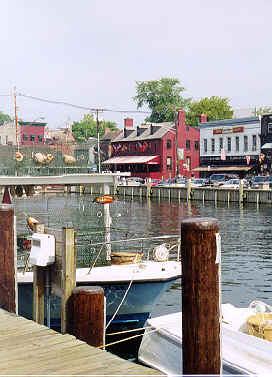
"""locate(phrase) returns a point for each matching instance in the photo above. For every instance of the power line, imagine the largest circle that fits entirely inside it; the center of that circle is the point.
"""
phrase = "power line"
(91, 109)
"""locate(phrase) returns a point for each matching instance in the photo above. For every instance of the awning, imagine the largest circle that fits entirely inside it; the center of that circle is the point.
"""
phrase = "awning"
(267, 146)
(148, 160)
(224, 168)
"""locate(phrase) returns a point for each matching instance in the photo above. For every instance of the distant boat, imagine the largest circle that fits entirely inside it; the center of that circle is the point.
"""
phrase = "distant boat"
(242, 352)
(104, 199)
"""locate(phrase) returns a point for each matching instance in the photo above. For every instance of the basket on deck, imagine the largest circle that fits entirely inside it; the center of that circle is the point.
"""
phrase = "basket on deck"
(260, 325)
(124, 257)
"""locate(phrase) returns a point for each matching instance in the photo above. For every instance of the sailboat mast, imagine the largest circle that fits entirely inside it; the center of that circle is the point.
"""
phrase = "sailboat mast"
(16, 120)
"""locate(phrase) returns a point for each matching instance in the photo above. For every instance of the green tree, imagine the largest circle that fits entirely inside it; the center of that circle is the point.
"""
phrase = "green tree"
(216, 108)
(87, 127)
(163, 97)
(4, 118)
(262, 110)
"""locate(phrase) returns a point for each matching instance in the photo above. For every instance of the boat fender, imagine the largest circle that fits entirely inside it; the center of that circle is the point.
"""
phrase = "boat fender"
(160, 253)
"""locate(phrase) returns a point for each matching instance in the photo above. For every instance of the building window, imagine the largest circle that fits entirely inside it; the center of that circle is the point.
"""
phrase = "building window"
(196, 145)
(237, 143)
(229, 144)
(25, 137)
(269, 128)
(220, 144)
(168, 144)
(254, 142)
(169, 163)
(188, 144)
(213, 145)
(40, 139)
(205, 145)
(32, 138)
(245, 143)
(188, 163)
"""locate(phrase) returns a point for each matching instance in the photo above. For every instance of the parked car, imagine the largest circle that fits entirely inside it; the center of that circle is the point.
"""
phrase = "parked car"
(219, 179)
(154, 182)
(258, 181)
(167, 182)
(232, 183)
(180, 182)
(200, 182)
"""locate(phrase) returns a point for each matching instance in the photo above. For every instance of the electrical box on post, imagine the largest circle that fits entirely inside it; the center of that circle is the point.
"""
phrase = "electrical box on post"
(42, 249)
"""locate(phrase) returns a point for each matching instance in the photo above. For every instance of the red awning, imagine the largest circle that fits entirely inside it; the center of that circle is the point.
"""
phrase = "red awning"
(148, 160)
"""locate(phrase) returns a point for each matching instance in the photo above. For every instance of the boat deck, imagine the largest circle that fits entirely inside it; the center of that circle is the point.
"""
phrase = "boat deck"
(28, 348)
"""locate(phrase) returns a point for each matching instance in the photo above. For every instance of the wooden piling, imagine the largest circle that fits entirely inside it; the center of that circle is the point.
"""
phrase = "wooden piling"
(88, 321)
(200, 296)
(8, 258)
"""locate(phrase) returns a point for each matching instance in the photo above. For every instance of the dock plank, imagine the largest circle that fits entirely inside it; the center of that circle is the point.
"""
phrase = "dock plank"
(29, 348)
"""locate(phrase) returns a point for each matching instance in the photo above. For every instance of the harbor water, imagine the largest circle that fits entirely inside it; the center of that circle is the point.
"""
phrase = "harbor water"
(246, 233)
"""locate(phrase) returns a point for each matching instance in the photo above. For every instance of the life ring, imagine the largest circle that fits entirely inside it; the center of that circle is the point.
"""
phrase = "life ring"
(82, 157)
(19, 156)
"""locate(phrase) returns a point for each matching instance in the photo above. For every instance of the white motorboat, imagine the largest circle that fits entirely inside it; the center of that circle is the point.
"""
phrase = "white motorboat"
(242, 353)
(131, 289)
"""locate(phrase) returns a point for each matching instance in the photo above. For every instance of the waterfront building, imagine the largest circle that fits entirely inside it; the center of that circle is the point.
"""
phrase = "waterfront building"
(31, 133)
(229, 145)
(156, 150)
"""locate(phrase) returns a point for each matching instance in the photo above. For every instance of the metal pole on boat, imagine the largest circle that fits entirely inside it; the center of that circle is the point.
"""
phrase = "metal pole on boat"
(201, 300)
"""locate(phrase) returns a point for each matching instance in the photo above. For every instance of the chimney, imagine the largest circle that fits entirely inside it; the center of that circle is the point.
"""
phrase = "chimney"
(181, 118)
(203, 118)
(128, 123)
(138, 131)
(152, 129)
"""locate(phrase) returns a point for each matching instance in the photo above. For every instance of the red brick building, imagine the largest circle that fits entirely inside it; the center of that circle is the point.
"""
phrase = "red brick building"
(151, 150)
(31, 133)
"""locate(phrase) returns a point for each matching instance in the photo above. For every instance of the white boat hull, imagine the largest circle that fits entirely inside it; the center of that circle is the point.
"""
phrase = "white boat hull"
(241, 353)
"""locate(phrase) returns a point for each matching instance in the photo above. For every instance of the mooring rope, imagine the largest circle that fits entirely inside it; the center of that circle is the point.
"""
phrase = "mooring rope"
(131, 337)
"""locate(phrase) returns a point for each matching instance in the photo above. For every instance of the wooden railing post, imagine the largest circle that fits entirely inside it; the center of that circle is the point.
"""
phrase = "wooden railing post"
(38, 285)
(87, 322)
(201, 296)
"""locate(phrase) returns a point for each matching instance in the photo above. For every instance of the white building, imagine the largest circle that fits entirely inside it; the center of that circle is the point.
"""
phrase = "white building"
(232, 145)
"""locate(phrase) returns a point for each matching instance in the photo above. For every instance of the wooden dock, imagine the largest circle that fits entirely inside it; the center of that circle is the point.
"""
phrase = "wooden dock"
(27, 348)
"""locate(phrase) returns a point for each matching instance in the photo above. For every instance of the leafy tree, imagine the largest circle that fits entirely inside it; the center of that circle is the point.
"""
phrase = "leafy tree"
(216, 108)
(4, 118)
(163, 97)
(262, 110)
(87, 127)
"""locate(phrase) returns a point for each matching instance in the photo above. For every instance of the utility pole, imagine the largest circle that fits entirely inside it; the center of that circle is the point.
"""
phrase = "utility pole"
(98, 142)
(176, 131)
(16, 121)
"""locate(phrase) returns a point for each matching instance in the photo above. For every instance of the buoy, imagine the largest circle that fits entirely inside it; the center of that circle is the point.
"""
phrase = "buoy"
(49, 157)
(31, 221)
(40, 158)
(19, 156)
(105, 199)
(68, 159)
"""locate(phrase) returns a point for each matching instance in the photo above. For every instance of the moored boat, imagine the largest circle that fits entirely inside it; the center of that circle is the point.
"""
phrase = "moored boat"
(242, 352)
(131, 288)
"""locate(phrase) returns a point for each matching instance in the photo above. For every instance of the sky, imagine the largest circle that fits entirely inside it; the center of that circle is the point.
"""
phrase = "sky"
(91, 53)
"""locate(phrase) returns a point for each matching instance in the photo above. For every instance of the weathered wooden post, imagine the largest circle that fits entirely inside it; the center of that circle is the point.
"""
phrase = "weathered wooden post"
(201, 296)
(38, 285)
(189, 189)
(88, 322)
(8, 259)
(241, 191)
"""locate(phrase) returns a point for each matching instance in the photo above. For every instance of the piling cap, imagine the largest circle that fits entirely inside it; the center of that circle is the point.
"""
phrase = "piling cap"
(201, 223)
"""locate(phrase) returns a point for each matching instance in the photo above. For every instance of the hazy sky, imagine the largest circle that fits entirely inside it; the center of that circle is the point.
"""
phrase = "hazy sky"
(92, 52)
